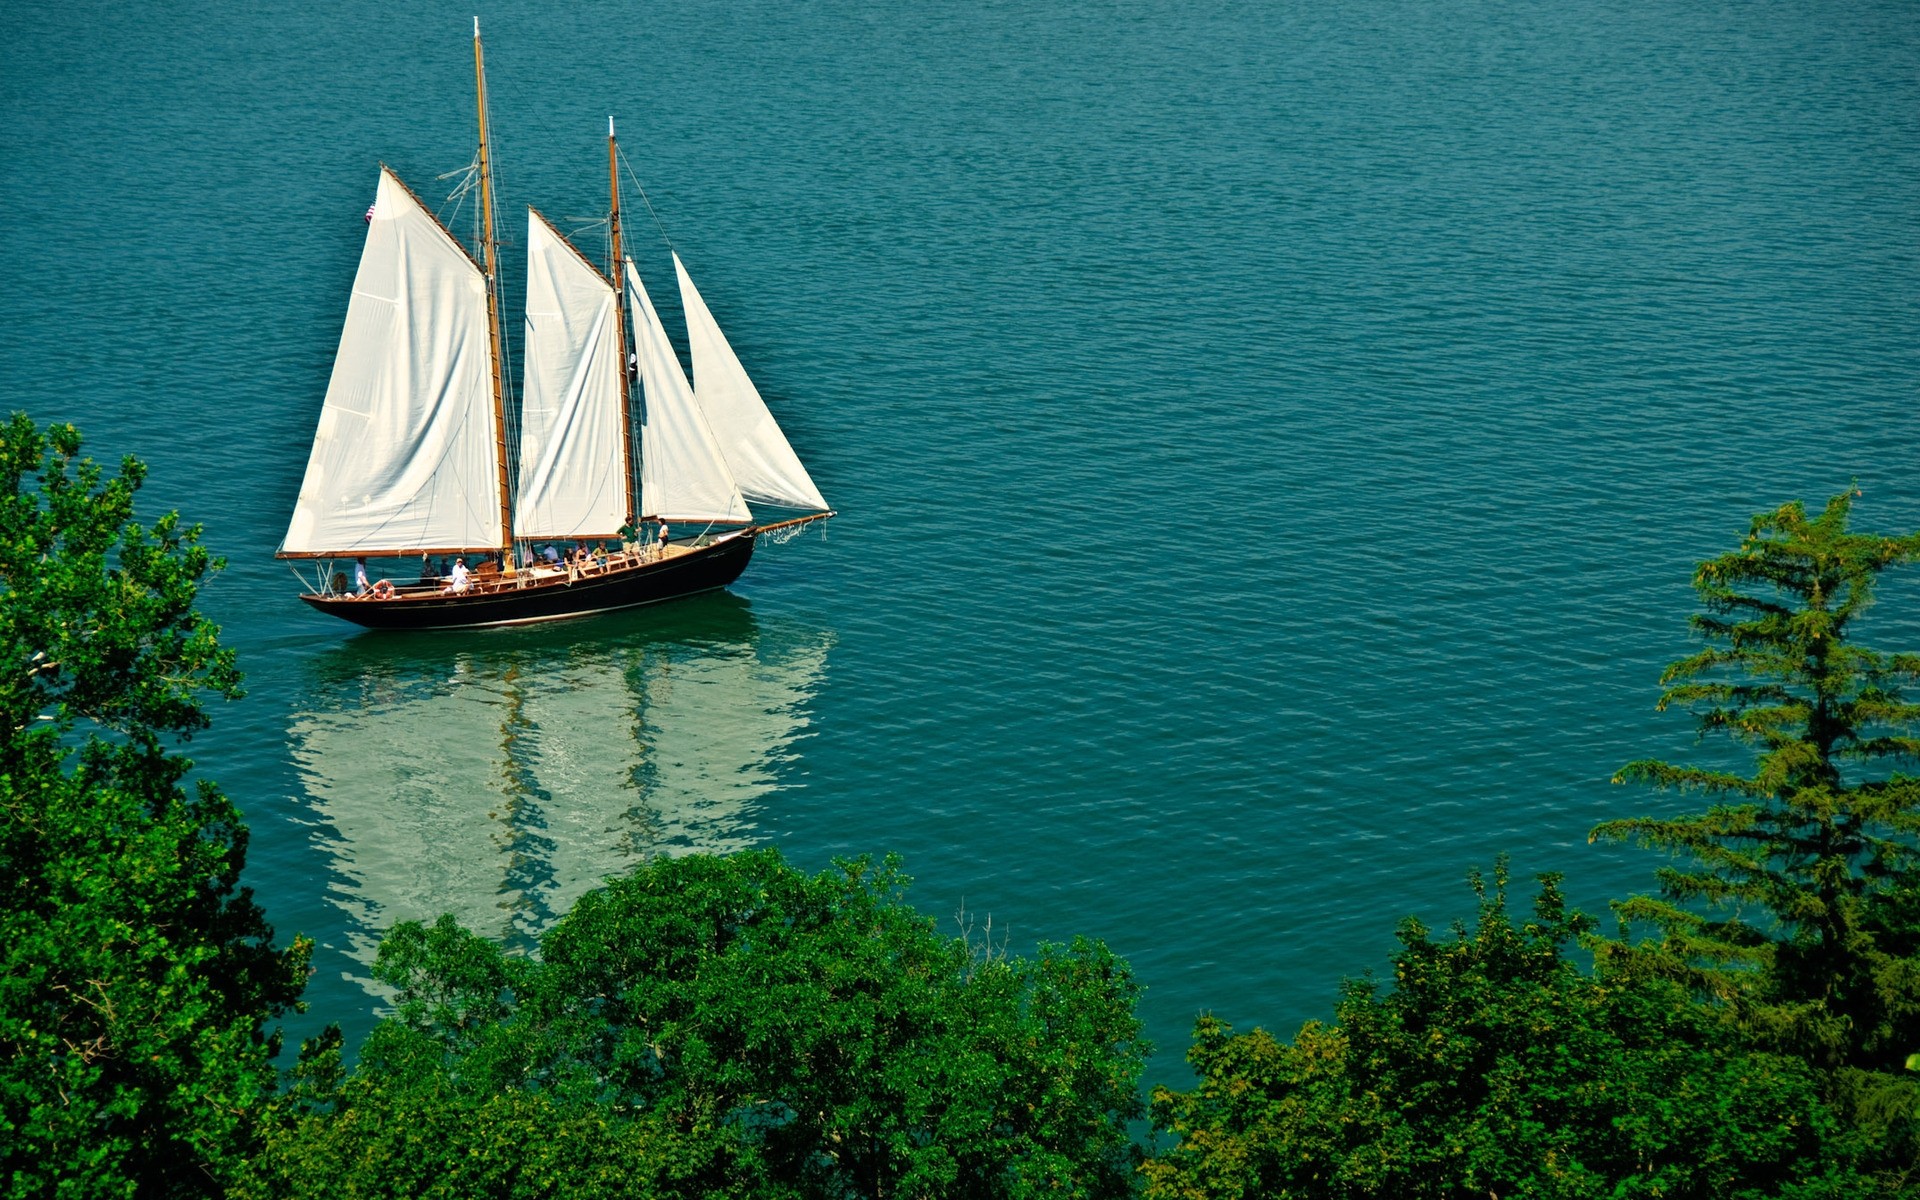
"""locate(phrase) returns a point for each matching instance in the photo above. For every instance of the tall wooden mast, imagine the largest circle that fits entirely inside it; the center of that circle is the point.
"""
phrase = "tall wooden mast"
(492, 254)
(620, 321)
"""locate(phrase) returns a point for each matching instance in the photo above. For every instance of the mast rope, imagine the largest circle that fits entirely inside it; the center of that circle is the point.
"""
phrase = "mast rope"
(509, 398)
(644, 199)
(469, 176)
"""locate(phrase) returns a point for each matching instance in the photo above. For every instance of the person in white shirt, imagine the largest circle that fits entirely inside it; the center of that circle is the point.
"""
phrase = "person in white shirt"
(360, 584)
(458, 582)
(665, 535)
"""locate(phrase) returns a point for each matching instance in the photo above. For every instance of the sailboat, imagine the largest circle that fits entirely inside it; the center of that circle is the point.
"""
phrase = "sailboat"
(420, 455)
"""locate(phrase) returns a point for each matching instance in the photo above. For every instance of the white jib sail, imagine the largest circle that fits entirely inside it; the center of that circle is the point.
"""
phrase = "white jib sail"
(573, 481)
(683, 476)
(405, 457)
(763, 464)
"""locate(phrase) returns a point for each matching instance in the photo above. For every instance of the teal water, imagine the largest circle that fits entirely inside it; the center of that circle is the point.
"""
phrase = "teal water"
(1272, 439)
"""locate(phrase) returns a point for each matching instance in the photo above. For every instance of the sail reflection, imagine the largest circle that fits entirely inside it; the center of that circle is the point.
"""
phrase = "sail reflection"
(500, 775)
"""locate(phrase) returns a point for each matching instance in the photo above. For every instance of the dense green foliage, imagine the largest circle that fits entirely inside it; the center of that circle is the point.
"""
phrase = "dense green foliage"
(136, 976)
(1494, 1066)
(1793, 905)
(710, 1027)
(1761, 1042)
(727, 1027)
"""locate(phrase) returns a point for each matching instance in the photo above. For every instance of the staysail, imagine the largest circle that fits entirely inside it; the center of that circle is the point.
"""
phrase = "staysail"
(683, 476)
(573, 481)
(762, 463)
(406, 457)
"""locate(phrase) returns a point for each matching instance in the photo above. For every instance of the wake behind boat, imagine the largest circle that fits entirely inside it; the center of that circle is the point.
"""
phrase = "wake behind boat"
(419, 453)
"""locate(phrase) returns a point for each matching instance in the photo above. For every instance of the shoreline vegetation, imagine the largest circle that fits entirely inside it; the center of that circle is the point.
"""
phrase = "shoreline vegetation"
(721, 1026)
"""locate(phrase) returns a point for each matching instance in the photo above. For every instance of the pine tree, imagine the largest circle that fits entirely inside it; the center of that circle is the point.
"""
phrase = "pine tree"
(1793, 903)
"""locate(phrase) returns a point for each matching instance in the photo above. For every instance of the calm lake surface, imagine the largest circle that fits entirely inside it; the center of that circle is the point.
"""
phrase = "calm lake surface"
(1273, 439)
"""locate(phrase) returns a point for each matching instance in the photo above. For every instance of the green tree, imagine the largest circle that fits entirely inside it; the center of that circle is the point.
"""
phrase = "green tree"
(728, 1027)
(1493, 1066)
(136, 975)
(1793, 902)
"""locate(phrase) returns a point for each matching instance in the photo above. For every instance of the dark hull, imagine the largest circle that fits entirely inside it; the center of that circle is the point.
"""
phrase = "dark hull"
(702, 570)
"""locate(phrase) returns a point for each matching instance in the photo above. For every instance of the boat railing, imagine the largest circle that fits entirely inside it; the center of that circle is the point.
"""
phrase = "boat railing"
(488, 578)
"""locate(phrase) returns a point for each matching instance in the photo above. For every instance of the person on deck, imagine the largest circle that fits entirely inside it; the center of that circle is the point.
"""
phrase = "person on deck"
(551, 555)
(360, 585)
(459, 581)
(665, 535)
(629, 537)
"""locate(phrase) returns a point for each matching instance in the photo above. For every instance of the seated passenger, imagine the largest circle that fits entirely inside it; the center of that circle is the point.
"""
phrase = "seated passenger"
(460, 579)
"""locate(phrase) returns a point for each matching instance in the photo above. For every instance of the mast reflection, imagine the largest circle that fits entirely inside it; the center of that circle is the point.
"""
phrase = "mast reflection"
(499, 775)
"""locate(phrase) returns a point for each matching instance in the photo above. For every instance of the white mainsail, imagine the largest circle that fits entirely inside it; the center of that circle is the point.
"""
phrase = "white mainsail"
(406, 456)
(683, 475)
(763, 464)
(573, 480)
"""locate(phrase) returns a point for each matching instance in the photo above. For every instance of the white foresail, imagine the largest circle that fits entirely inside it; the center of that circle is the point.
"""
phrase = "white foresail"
(763, 464)
(406, 456)
(683, 476)
(573, 479)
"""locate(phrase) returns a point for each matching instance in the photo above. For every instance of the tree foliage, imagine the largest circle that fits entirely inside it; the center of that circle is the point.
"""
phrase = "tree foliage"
(1794, 895)
(1793, 903)
(728, 1027)
(136, 975)
(1493, 1066)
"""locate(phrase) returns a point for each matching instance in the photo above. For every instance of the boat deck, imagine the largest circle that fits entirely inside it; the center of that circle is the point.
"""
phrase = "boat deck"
(547, 593)
(489, 580)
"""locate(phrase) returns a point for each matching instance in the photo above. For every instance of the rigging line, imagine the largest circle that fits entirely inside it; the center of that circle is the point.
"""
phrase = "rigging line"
(467, 172)
(457, 197)
(644, 199)
(582, 225)
(509, 398)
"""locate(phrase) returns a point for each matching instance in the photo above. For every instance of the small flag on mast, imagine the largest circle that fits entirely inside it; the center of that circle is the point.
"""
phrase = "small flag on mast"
(370, 209)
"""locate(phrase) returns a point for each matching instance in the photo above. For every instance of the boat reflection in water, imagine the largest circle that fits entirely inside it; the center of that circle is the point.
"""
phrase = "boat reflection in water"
(500, 775)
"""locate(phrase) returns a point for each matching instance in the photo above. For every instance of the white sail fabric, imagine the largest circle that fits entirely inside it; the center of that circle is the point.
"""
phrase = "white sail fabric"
(406, 456)
(683, 476)
(573, 478)
(763, 464)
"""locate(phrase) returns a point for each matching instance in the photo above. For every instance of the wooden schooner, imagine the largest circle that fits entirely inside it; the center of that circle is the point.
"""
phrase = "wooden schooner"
(415, 454)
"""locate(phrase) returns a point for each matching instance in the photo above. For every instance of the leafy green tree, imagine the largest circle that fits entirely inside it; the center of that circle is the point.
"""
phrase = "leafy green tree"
(136, 975)
(728, 1027)
(1793, 902)
(1493, 1066)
